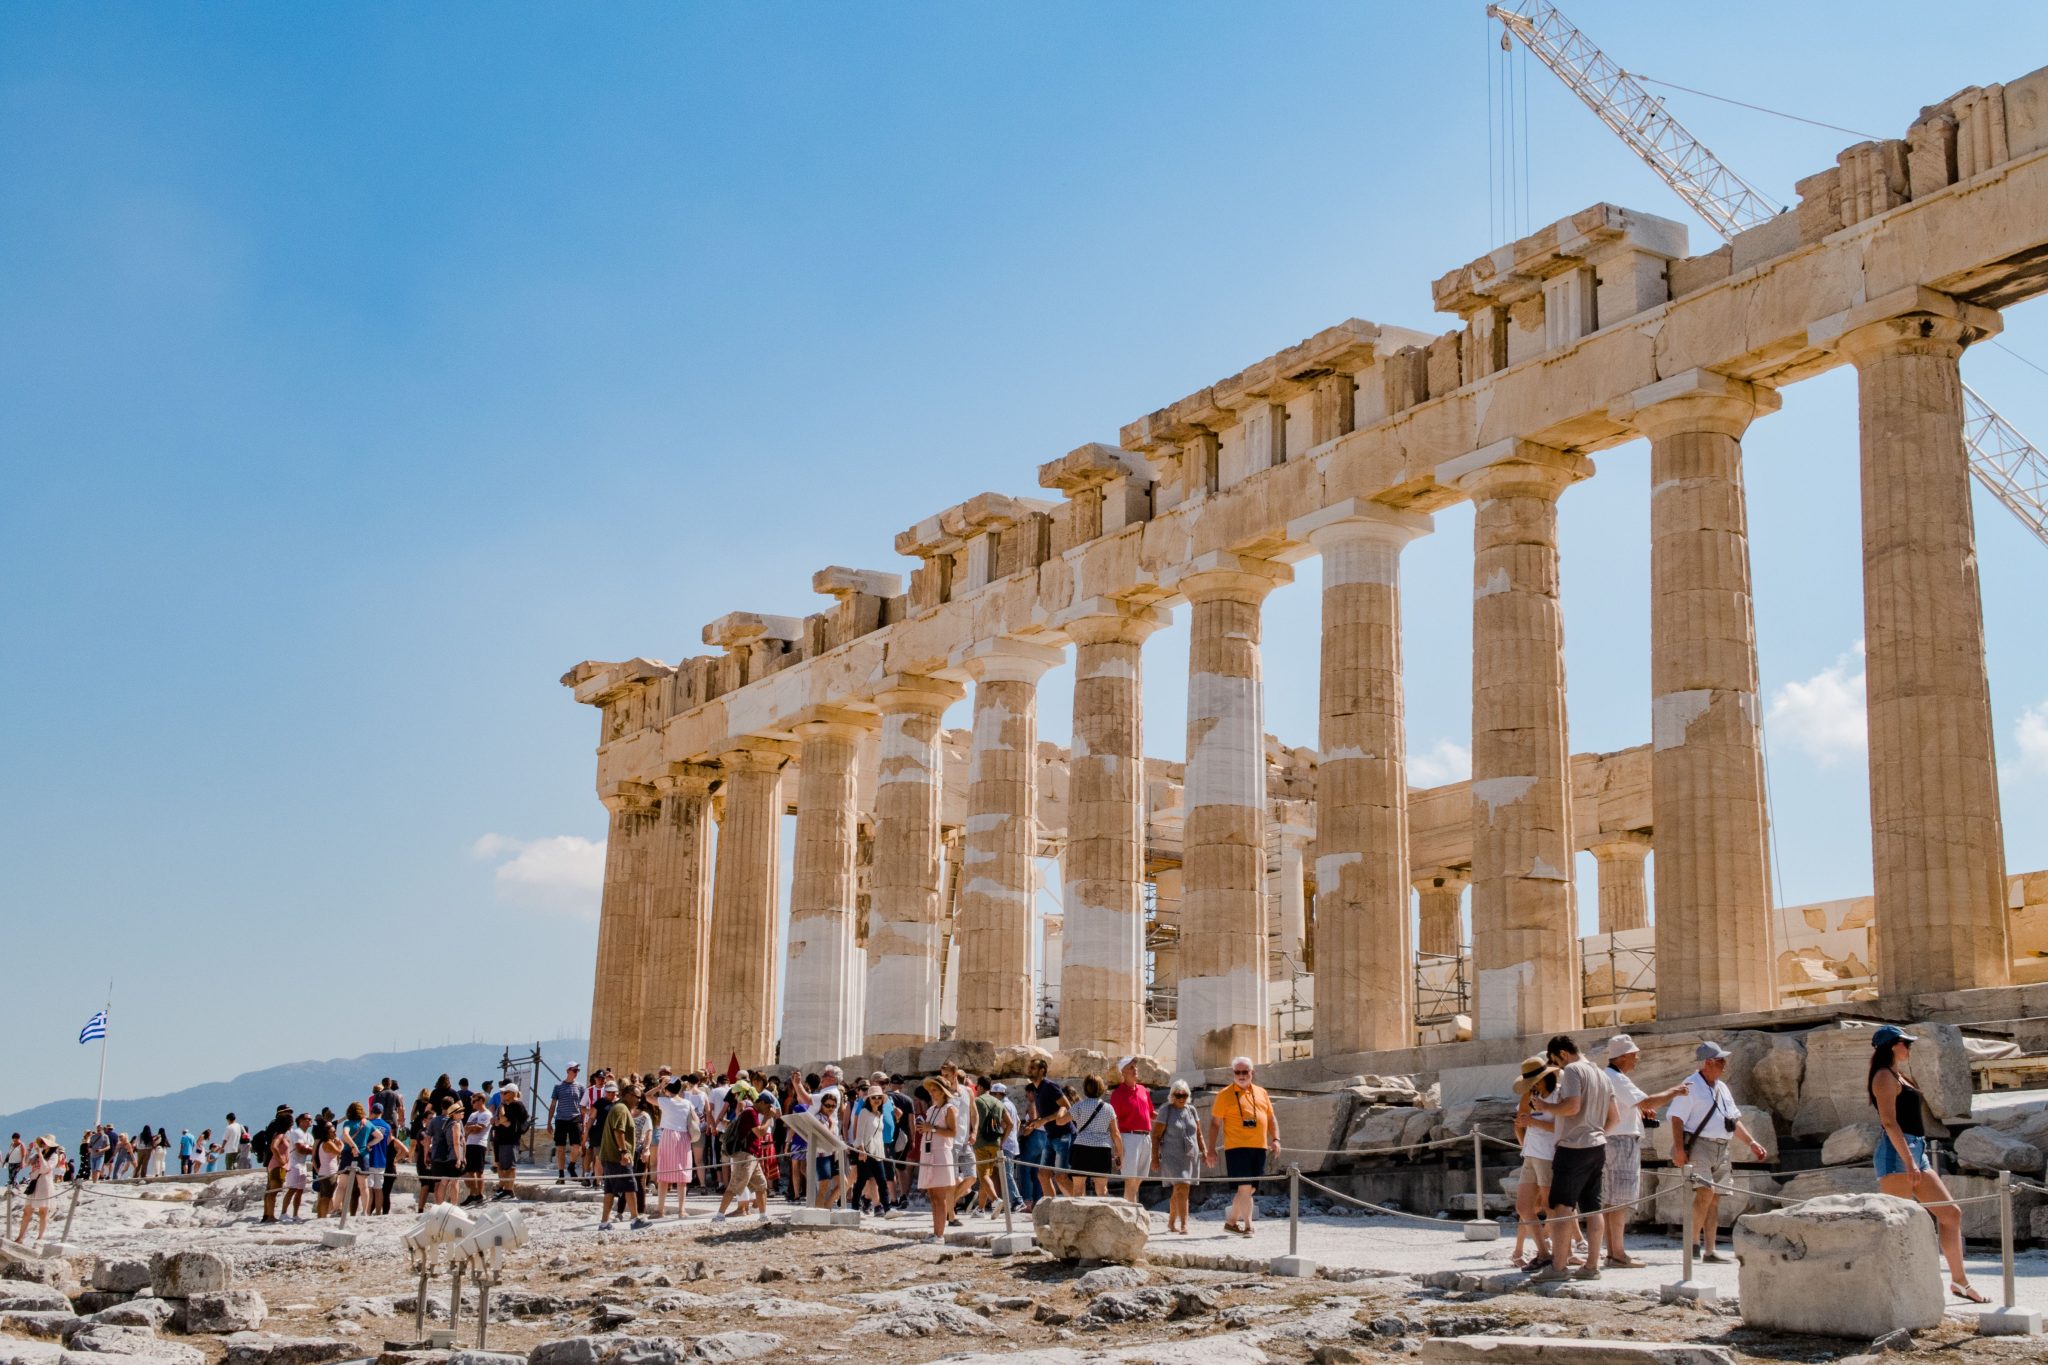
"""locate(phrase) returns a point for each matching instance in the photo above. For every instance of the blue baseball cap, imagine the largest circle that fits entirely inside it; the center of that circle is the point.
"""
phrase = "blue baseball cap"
(1889, 1034)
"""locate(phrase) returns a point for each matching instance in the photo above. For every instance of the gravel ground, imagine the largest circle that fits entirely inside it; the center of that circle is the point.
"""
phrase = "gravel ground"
(745, 1289)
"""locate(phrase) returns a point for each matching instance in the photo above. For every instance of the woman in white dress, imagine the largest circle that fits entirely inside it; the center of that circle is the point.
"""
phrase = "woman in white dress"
(39, 1175)
(937, 1173)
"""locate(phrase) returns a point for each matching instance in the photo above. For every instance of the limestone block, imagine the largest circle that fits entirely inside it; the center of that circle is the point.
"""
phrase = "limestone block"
(1851, 1145)
(18, 1297)
(1697, 272)
(1873, 178)
(1988, 1149)
(1014, 1060)
(1832, 1090)
(1831, 1180)
(130, 1341)
(181, 1274)
(1981, 141)
(836, 581)
(1311, 1127)
(1506, 1350)
(44, 1325)
(1492, 1114)
(1445, 365)
(264, 1348)
(1844, 1266)
(1931, 152)
(228, 1310)
(1820, 205)
(1766, 1069)
(2028, 1125)
(1672, 1193)
(1755, 1118)
(1631, 282)
(2026, 113)
(127, 1274)
(1090, 1230)
(1076, 521)
(1768, 240)
(144, 1312)
(739, 628)
(1380, 1128)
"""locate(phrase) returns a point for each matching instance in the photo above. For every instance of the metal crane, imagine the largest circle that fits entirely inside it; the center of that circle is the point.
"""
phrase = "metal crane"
(2003, 460)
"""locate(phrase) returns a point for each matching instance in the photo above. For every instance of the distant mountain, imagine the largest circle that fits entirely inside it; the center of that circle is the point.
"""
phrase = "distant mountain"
(255, 1095)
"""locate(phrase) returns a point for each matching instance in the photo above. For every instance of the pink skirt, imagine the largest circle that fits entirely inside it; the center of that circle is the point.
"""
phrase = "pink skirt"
(672, 1158)
(936, 1170)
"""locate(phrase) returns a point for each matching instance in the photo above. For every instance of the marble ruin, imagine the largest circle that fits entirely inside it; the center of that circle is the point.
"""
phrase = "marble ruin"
(1212, 900)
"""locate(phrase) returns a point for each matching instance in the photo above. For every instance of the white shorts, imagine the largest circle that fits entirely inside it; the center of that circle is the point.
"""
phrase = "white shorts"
(1137, 1156)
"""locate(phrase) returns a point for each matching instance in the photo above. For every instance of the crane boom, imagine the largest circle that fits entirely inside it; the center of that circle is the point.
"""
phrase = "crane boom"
(2005, 462)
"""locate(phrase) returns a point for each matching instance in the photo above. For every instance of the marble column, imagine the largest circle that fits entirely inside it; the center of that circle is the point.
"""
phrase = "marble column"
(1223, 1011)
(1525, 947)
(1365, 955)
(1102, 966)
(1936, 841)
(744, 906)
(907, 918)
(1441, 919)
(617, 994)
(676, 965)
(1706, 766)
(821, 997)
(993, 926)
(1624, 893)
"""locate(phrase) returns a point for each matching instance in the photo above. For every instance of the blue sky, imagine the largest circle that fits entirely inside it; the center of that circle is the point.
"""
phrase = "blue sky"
(363, 367)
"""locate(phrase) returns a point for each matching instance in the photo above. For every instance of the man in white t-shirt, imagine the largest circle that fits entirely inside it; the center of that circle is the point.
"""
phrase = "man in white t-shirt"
(1625, 1141)
(231, 1139)
(1704, 1121)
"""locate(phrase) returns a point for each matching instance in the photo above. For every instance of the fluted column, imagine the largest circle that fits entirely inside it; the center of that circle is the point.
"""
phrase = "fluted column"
(821, 997)
(1525, 947)
(1706, 767)
(1102, 966)
(1441, 902)
(1625, 901)
(617, 994)
(905, 924)
(1936, 841)
(676, 966)
(993, 928)
(744, 909)
(1223, 910)
(1365, 957)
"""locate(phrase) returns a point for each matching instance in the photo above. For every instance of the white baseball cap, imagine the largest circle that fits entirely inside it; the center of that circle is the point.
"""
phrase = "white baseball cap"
(1620, 1045)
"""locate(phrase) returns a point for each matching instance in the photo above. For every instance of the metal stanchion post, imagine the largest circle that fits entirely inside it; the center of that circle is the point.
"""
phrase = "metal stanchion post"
(454, 1300)
(1293, 1263)
(1009, 1241)
(1481, 1228)
(344, 1188)
(483, 1307)
(62, 1246)
(1689, 1290)
(2009, 1320)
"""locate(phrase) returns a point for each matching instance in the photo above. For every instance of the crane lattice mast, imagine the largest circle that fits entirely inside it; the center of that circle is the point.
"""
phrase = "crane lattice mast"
(2005, 462)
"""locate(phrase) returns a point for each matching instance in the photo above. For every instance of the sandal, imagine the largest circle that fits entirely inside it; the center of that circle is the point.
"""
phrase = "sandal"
(1967, 1293)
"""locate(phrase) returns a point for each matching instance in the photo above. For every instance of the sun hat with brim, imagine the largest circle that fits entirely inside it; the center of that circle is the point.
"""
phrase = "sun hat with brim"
(1892, 1033)
(1533, 1071)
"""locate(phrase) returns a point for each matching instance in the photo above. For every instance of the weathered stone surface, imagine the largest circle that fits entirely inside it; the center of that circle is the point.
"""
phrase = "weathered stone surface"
(47, 1324)
(32, 1298)
(1570, 1351)
(181, 1274)
(1102, 1279)
(1990, 1150)
(485, 1358)
(233, 1194)
(230, 1310)
(1311, 1126)
(1090, 1230)
(584, 1350)
(727, 1346)
(1833, 1091)
(151, 1313)
(134, 1341)
(1855, 1265)
(1850, 1145)
(123, 1273)
(263, 1348)
(924, 1318)
(1767, 1069)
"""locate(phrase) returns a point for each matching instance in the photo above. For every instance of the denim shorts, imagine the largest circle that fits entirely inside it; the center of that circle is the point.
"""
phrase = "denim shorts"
(1888, 1162)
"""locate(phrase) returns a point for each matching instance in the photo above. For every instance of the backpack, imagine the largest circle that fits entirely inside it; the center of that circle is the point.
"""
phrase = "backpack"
(732, 1141)
(437, 1129)
(989, 1131)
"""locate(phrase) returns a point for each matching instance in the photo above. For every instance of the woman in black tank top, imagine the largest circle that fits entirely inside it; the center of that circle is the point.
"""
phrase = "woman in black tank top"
(1902, 1166)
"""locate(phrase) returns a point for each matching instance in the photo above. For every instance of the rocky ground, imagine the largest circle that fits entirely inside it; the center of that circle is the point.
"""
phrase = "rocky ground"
(689, 1290)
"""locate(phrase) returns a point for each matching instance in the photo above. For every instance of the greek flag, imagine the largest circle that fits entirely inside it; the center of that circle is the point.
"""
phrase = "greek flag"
(95, 1027)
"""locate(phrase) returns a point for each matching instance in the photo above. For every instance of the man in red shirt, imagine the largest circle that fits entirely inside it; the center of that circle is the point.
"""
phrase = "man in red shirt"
(1133, 1105)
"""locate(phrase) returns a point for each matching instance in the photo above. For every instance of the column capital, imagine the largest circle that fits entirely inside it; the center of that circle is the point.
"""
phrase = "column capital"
(1442, 879)
(1223, 576)
(756, 753)
(1109, 621)
(686, 779)
(626, 798)
(1515, 468)
(1616, 845)
(1909, 319)
(1697, 400)
(838, 722)
(1355, 519)
(917, 692)
(1007, 659)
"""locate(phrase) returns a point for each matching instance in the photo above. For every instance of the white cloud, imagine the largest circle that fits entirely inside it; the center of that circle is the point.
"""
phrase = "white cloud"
(1824, 713)
(2031, 733)
(563, 874)
(1443, 762)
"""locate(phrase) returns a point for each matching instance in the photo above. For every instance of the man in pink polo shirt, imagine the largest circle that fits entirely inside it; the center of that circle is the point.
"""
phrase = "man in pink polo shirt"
(1133, 1106)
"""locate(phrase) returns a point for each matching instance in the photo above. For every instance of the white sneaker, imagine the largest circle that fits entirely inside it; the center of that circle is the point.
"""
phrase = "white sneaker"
(718, 1218)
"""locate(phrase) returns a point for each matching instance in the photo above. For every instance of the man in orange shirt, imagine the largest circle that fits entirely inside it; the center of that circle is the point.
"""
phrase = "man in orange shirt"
(1243, 1115)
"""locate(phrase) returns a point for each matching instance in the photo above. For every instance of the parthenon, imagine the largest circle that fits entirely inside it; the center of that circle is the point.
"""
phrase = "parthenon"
(1214, 881)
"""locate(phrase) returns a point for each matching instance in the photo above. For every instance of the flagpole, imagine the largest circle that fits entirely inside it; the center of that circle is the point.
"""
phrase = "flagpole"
(100, 1097)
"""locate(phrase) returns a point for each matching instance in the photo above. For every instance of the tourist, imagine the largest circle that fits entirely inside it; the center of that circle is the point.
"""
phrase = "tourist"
(745, 1139)
(1242, 1124)
(99, 1147)
(17, 1157)
(646, 1114)
(508, 1125)
(675, 1148)
(960, 1086)
(39, 1170)
(873, 1134)
(1704, 1120)
(1009, 1143)
(188, 1149)
(1045, 1110)
(1537, 1132)
(1098, 1144)
(277, 1159)
(353, 1135)
(373, 1138)
(991, 1120)
(299, 1144)
(1179, 1153)
(233, 1139)
(565, 1117)
(476, 1145)
(615, 1157)
(1903, 1169)
(903, 1154)
(419, 1132)
(938, 1167)
(827, 1161)
(444, 1147)
(397, 1148)
(327, 1166)
(1584, 1108)
(1625, 1143)
(1134, 1120)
